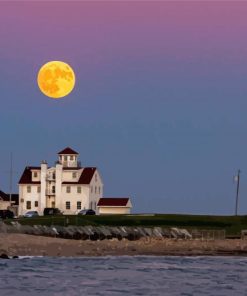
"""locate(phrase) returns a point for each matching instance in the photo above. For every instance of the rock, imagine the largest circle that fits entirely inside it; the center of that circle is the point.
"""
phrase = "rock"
(68, 232)
(174, 233)
(106, 232)
(166, 233)
(59, 229)
(84, 233)
(148, 231)
(115, 232)
(4, 256)
(157, 231)
(186, 234)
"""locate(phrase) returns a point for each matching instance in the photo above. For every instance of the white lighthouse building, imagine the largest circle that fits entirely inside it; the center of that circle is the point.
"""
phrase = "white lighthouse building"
(66, 186)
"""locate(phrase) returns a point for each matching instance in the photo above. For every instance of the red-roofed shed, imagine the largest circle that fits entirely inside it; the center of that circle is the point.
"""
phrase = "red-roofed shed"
(114, 205)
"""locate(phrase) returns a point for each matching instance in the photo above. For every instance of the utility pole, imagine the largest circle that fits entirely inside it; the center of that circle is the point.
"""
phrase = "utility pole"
(238, 180)
(10, 178)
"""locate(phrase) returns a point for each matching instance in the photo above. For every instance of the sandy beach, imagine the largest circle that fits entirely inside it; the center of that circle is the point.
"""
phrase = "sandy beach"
(29, 245)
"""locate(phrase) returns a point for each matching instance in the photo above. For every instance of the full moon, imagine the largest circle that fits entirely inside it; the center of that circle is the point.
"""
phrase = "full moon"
(56, 79)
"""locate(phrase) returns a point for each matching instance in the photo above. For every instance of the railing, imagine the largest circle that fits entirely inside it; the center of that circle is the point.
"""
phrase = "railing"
(70, 163)
(50, 178)
(210, 234)
(50, 192)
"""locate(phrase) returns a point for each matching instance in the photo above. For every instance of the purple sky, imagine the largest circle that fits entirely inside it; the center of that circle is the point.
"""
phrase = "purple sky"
(160, 100)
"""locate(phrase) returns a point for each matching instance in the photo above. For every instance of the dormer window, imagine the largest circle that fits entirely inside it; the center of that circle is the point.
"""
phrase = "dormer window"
(35, 174)
(71, 157)
(74, 174)
(65, 157)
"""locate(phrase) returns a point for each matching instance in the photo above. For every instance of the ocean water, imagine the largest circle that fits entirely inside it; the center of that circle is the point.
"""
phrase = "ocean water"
(141, 275)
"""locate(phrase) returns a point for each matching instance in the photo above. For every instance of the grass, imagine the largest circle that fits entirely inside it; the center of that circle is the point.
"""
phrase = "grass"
(231, 224)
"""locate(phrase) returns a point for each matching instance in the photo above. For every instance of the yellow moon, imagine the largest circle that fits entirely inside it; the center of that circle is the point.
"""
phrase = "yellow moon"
(56, 79)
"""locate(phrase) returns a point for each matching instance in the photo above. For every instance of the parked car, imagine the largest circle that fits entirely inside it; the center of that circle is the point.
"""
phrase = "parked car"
(6, 214)
(52, 211)
(31, 214)
(87, 212)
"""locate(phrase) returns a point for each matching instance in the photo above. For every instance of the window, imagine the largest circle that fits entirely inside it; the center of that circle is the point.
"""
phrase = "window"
(96, 177)
(91, 189)
(71, 157)
(74, 175)
(38, 189)
(65, 157)
(78, 189)
(99, 189)
(68, 189)
(28, 189)
(53, 204)
(54, 176)
(95, 205)
(35, 174)
(91, 204)
(78, 205)
(28, 205)
(36, 204)
(53, 189)
(95, 189)
(67, 205)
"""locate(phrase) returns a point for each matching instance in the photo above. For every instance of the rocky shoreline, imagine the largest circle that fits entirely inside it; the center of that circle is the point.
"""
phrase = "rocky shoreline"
(16, 244)
(38, 240)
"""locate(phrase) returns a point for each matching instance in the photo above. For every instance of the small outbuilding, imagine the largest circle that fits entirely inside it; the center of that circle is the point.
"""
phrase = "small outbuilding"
(114, 205)
(5, 203)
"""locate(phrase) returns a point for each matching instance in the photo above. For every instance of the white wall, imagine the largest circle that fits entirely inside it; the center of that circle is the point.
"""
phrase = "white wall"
(94, 192)
(4, 204)
(68, 175)
(73, 197)
(114, 210)
(58, 198)
(42, 197)
(32, 196)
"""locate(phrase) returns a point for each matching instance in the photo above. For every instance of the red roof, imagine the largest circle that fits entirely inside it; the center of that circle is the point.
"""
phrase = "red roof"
(68, 150)
(86, 176)
(26, 177)
(113, 202)
(3, 195)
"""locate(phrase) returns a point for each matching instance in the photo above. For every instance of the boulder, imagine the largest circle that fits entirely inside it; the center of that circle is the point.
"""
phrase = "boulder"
(4, 256)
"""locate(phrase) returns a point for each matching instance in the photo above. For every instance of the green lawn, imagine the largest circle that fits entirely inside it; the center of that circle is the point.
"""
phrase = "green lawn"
(232, 224)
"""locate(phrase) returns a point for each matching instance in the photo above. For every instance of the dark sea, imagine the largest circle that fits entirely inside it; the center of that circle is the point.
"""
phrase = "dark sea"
(141, 275)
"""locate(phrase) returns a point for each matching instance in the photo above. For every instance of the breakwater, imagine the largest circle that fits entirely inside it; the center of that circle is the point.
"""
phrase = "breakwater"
(108, 232)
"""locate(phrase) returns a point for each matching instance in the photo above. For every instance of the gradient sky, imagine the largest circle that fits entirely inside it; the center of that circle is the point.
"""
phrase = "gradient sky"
(159, 104)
